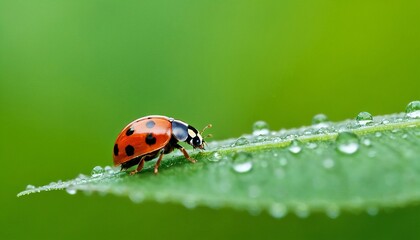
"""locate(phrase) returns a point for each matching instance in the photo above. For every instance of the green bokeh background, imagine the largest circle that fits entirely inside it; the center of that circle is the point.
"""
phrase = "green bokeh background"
(73, 73)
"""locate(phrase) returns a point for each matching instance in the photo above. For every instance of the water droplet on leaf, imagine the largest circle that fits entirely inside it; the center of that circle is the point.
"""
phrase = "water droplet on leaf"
(319, 118)
(30, 187)
(71, 190)
(328, 163)
(260, 128)
(215, 157)
(242, 162)
(294, 147)
(347, 142)
(277, 210)
(413, 109)
(97, 171)
(240, 142)
(364, 118)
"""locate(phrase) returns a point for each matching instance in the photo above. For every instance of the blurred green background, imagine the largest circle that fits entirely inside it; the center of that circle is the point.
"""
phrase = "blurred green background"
(74, 73)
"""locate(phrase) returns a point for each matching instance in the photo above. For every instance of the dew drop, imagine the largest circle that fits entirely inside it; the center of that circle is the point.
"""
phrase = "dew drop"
(413, 109)
(254, 191)
(378, 134)
(242, 162)
(240, 142)
(215, 157)
(372, 211)
(294, 147)
(30, 187)
(136, 197)
(385, 121)
(311, 145)
(277, 210)
(347, 142)
(319, 118)
(332, 211)
(189, 202)
(302, 211)
(367, 142)
(109, 169)
(260, 128)
(97, 171)
(71, 190)
(328, 163)
(283, 161)
(364, 118)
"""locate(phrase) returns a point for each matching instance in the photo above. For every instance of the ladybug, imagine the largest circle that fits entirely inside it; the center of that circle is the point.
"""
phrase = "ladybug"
(154, 136)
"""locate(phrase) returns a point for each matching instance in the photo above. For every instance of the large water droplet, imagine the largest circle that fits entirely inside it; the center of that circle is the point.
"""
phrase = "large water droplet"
(240, 142)
(242, 162)
(364, 118)
(347, 142)
(260, 128)
(97, 171)
(295, 147)
(71, 190)
(319, 118)
(277, 210)
(413, 109)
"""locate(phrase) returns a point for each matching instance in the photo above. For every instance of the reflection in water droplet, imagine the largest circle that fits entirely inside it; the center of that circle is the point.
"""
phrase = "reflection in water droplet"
(277, 210)
(97, 171)
(413, 109)
(328, 163)
(240, 142)
(260, 128)
(347, 142)
(294, 147)
(319, 118)
(242, 162)
(364, 118)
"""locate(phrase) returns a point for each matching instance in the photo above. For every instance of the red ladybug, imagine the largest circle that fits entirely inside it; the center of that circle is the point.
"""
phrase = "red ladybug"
(148, 137)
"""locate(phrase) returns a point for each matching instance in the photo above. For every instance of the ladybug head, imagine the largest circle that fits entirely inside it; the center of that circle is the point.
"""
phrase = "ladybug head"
(187, 133)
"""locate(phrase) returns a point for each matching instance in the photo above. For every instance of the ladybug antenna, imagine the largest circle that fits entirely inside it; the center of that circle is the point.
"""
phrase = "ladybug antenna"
(204, 129)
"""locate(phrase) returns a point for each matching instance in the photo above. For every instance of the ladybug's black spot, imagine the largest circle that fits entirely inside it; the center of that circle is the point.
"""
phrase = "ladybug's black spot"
(150, 140)
(116, 150)
(129, 150)
(150, 124)
(129, 132)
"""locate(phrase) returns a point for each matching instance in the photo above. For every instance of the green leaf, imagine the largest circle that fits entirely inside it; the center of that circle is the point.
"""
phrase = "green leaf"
(363, 165)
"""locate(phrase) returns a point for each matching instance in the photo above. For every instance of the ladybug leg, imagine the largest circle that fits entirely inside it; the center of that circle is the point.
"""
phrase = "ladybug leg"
(186, 155)
(158, 161)
(139, 167)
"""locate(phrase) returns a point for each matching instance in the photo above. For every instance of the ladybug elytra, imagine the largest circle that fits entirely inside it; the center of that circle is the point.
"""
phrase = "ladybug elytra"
(153, 136)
